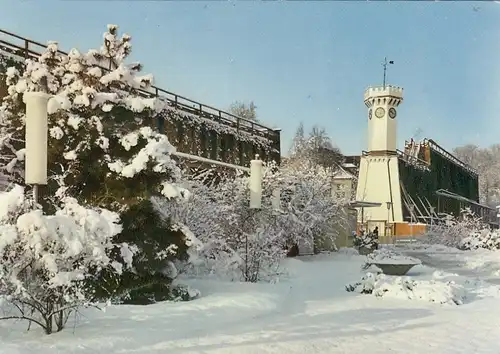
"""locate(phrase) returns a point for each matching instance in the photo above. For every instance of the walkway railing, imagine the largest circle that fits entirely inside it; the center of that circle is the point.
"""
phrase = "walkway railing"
(21, 47)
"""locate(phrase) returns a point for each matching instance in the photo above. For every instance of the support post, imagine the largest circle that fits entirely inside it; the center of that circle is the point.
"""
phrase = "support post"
(35, 194)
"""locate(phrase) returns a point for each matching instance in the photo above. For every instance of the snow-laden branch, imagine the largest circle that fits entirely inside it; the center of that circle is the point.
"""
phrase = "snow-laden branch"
(48, 259)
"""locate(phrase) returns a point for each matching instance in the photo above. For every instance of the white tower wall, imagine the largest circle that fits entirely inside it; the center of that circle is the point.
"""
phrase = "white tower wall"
(378, 180)
(379, 183)
(382, 129)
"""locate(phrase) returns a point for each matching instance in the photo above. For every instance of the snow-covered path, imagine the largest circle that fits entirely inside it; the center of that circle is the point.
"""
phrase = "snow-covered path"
(309, 313)
(479, 264)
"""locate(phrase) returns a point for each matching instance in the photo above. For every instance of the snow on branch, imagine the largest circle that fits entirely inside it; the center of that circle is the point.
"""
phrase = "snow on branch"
(48, 259)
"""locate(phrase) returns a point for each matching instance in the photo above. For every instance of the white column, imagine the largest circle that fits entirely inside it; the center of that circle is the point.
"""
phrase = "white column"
(255, 183)
(36, 137)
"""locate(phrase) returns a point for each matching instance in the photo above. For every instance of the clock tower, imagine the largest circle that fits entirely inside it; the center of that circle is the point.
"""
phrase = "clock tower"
(378, 180)
(382, 103)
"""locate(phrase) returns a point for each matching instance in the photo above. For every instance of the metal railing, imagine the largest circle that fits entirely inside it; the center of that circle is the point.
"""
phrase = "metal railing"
(27, 48)
(440, 150)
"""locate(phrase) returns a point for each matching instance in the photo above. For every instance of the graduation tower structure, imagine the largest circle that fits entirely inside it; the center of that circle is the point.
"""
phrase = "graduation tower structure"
(411, 188)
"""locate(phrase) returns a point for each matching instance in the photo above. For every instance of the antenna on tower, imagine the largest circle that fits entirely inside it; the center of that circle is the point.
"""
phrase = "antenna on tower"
(385, 67)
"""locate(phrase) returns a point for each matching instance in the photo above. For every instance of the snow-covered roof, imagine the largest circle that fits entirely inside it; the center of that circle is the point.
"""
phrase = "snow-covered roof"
(348, 165)
(342, 174)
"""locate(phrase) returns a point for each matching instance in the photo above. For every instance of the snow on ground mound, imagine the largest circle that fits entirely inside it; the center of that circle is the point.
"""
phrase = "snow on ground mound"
(479, 262)
(478, 288)
(407, 288)
(295, 316)
(441, 274)
(484, 261)
(425, 247)
(390, 256)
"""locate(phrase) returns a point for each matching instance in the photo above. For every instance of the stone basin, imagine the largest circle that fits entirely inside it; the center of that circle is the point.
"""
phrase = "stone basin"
(394, 268)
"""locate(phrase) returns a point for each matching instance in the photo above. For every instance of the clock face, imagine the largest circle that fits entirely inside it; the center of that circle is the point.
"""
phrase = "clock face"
(379, 112)
(392, 112)
(370, 114)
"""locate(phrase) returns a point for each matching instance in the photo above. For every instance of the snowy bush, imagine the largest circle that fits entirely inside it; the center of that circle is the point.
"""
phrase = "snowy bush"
(184, 293)
(406, 288)
(47, 259)
(477, 239)
(203, 214)
(312, 214)
(253, 240)
(453, 230)
(101, 148)
(366, 240)
(236, 242)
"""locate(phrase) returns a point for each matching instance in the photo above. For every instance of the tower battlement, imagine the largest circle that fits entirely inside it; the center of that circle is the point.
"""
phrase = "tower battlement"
(381, 91)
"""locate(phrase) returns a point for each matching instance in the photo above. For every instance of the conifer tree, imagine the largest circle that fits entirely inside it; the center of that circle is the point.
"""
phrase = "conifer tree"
(101, 149)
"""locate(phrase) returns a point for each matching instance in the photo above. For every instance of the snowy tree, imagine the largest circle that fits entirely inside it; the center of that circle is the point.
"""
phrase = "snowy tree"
(235, 242)
(102, 150)
(243, 110)
(316, 146)
(487, 163)
(255, 236)
(234, 239)
(314, 214)
(308, 214)
(298, 141)
(47, 260)
(203, 213)
(319, 138)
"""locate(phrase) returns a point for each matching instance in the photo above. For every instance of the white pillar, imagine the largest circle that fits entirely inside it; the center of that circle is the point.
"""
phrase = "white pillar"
(36, 137)
(256, 183)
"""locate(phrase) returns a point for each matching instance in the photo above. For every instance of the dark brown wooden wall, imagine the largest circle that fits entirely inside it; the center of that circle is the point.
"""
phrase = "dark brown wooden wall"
(207, 143)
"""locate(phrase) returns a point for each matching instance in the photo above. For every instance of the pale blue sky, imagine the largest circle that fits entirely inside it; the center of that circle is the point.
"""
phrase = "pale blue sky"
(304, 61)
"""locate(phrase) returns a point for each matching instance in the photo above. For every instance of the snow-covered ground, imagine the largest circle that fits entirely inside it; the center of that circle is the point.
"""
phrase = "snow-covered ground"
(309, 312)
(480, 263)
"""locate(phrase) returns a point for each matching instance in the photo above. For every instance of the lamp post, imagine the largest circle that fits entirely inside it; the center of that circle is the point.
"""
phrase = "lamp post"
(432, 215)
(412, 208)
(255, 183)
(388, 227)
(36, 133)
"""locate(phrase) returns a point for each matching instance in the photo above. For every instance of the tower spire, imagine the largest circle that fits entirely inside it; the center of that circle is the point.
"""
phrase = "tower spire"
(390, 62)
